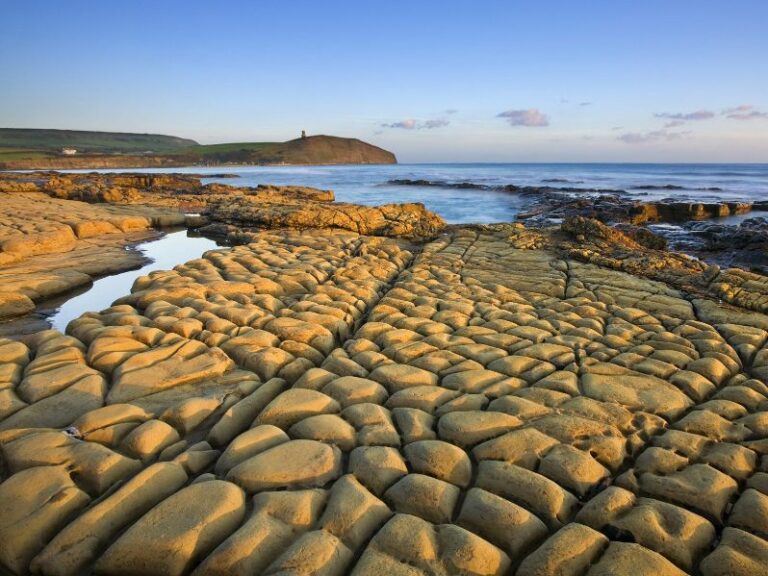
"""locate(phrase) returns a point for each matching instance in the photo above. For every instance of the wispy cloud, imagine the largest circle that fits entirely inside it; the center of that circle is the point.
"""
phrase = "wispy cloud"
(530, 117)
(738, 109)
(413, 124)
(450, 111)
(683, 116)
(408, 124)
(652, 136)
(438, 123)
(584, 103)
(674, 124)
(753, 115)
(744, 112)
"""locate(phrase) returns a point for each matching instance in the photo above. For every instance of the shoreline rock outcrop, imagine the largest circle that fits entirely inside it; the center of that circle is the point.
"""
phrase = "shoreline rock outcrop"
(89, 218)
(397, 220)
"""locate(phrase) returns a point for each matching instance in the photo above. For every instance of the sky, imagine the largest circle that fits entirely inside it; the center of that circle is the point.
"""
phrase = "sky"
(447, 81)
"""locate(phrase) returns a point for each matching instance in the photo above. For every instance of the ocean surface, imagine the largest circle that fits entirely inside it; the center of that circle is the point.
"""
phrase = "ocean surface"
(370, 184)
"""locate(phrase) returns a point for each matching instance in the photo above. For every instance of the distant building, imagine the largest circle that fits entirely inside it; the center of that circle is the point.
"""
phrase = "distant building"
(68, 151)
(303, 133)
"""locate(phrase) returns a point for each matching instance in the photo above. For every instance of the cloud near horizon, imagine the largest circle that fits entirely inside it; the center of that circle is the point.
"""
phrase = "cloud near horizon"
(413, 124)
(438, 123)
(744, 112)
(653, 136)
(529, 117)
(407, 124)
(684, 116)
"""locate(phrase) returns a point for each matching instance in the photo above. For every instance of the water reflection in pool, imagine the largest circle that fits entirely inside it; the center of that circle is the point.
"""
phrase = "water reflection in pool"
(166, 252)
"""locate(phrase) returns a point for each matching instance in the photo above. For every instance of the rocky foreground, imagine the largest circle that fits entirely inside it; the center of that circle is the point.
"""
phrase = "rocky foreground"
(692, 226)
(493, 400)
(60, 231)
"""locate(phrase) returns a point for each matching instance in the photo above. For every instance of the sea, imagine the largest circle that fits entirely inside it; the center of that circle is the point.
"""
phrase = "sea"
(372, 184)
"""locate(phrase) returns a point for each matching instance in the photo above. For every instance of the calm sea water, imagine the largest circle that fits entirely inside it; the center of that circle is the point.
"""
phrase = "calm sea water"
(368, 184)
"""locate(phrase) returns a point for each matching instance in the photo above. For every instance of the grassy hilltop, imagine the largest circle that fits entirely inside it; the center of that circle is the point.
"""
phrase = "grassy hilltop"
(41, 149)
(309, 150)
(89, 142)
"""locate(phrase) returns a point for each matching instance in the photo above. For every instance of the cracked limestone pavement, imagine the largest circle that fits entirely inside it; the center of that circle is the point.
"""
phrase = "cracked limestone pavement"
(326, 403)
(49, 246)
(59, 231)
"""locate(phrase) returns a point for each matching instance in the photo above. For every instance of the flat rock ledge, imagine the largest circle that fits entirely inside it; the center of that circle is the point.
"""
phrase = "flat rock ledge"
(60, 231)
(324, 402)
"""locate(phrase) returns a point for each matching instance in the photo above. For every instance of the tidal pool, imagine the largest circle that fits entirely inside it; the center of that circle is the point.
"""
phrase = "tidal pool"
(166, 252)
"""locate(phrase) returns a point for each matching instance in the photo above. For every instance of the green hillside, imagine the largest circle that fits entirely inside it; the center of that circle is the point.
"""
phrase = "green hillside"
(309, 150)
(41, 149)
(90, 142)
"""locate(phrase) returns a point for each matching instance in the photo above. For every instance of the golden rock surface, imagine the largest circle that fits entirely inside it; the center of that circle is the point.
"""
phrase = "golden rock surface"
(320, 402)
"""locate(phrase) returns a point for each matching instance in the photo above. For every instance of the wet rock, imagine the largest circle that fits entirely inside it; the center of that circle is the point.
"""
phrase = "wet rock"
(744, 245)
(671, 211)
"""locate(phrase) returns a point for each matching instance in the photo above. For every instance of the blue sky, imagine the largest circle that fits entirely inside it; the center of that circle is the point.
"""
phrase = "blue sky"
(432, 81)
